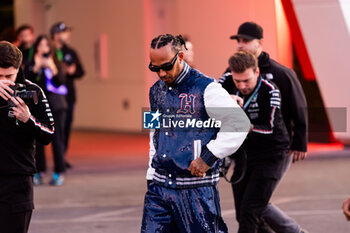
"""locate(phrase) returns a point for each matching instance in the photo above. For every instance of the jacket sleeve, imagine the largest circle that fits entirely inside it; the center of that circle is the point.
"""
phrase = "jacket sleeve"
(234, 124)
(297, 102)
(226, 82)
(152, 151)
(268, 113)
(79, 72)
(41, 124)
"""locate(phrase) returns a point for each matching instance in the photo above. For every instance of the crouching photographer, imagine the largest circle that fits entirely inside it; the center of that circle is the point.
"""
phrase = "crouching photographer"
(25, 117)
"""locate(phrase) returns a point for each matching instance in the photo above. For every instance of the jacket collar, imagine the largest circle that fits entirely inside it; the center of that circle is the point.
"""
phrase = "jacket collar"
(264, 60)
(183, 73)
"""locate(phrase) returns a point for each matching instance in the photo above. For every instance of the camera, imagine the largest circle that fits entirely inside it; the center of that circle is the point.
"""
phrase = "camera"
(68, 59)
(46, 55)
(29, 97)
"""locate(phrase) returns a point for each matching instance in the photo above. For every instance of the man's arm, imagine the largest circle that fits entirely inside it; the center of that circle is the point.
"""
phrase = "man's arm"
(227, 83)
(40, 123)
(152, 135)
(75, 70)
(298, 105)
(234, 128)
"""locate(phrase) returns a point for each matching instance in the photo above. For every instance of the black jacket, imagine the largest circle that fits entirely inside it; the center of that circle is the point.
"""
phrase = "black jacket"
(269, 135)
(17, 139)
(70, 57)
(294, 106)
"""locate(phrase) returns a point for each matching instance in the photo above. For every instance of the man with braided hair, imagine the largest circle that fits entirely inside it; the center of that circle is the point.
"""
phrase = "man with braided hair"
(184, 162)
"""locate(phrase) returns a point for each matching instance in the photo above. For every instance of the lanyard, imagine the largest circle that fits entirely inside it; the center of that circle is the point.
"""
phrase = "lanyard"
(252, 96)
(59, 54)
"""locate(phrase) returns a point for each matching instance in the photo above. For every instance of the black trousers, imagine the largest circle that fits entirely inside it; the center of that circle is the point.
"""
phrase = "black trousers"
(40, 157)
(68, 124)
(16, 203)
(252, 194)
(58, 146)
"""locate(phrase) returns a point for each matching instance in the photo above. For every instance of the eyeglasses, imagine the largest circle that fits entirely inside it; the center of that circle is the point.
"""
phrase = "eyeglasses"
(166, 67)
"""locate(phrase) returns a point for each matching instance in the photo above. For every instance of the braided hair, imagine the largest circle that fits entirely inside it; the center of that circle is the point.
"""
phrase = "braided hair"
(165, 39)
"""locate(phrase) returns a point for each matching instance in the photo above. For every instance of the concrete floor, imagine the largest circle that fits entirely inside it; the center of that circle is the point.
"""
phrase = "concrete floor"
(104, 191)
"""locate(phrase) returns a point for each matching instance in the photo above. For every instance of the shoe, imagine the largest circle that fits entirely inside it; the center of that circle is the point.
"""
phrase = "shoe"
(303, 231)
(38, 179)
(57, 179)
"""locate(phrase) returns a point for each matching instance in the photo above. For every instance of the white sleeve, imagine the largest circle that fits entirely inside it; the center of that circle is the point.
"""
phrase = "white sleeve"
(234, 123)
(152, 151)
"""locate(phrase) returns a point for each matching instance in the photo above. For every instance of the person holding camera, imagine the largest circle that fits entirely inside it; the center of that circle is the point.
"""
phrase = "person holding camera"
(25, 117)
(45, 70)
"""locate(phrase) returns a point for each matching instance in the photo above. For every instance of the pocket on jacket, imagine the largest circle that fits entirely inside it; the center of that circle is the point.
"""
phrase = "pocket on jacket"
(197, 149)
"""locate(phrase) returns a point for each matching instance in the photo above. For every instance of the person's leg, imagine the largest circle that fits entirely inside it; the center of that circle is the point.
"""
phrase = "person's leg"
(197, 210)
(273, 216)
(68, 124)
(156, 212)
(14, 222)
(258, 191)
(58, 141)
(40, 162)
(16, 203)
(279, 221)
(58, 149)
(238, 190)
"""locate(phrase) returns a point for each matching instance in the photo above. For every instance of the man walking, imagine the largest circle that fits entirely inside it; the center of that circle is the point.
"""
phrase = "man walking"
(206, 125)
(293, 106)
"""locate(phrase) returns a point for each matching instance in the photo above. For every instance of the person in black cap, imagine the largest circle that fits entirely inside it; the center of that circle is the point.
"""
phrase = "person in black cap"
(60, 34)
(250, 38)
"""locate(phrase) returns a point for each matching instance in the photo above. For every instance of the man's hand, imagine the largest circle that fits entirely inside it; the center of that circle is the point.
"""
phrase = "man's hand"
(346, 208)
(238, 99)
(70, 69)
(5, 89)
(198, 167)
(297, 155)
(21, 111)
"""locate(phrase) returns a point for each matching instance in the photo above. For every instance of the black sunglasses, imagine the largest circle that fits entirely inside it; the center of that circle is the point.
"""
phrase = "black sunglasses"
(166, 67)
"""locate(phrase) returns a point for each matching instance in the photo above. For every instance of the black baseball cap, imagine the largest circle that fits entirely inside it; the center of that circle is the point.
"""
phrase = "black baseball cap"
(249, 31)
(59, 27)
